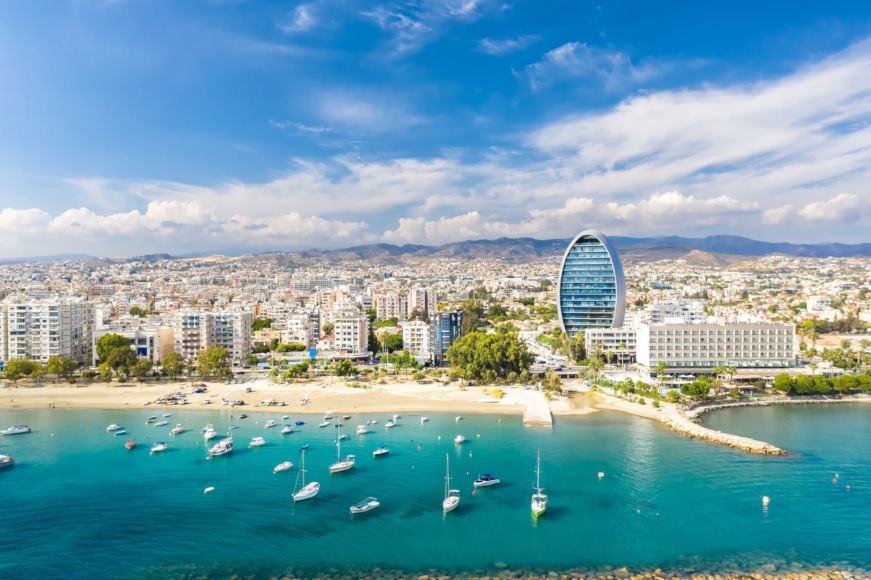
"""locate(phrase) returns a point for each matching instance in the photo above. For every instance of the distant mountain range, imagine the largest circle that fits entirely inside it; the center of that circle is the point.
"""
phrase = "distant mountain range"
(711, 249)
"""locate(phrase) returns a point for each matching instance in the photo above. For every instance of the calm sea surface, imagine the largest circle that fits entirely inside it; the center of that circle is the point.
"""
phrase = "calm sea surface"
(78, 504)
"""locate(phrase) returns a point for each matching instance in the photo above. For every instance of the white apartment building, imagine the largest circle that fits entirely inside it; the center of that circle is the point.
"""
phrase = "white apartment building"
(351, 332)
(416, 339)
(691, 311)
(422, 299)
(299, 329)
(195, 330)
(620, 341)
(40, 329)
(391, 305)
(694, 346)
(149, 340)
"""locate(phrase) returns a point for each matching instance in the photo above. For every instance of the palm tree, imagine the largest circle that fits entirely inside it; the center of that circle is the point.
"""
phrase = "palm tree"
(660, 374)
(620, 348)
(596, 365)
(718, 371)
(813, 367)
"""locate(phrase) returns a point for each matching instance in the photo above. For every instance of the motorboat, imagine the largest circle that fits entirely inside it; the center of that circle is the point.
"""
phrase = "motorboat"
(486, 480)
(207, 427)
(234, 426)
(6, 461)
(257, 442)
(389, 424)
(210, 433)
(303, 447)
(120, 432)
(346, 417)
(300, 422)
(424, 419)
(222, 447)
(285, 417)
(341, 464)
(397, 418)
(161, 423)
(269, 424)
(151, 419)
(178, 429)
(452, 496)
(380, 452)
(458, 418)
(539, 500)
(324, 424)
(131, 443)
(243, 416)
(158, 447)
(109, 429)
(341, 437)
(362, 430)
(284, 466)
(308, 491)
(372, 422)
(368, 504)
(459, 439)
(328, 415)
(167, 414)
(286, 430)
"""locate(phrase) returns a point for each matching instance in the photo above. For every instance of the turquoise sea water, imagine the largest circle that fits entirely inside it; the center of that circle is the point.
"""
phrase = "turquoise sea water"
(78, 504)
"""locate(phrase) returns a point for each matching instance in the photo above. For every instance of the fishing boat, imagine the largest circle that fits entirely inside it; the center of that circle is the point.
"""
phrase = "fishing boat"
(6, 461)
(222, 447)
(158, 447)
(177, 430)
(307, 491)
(368, 504)
(109, 429)
(362, 430)
(131, 443)
(389, 424)
(284, 466)
(486, 480)
(424, 419)
(269, 424)
(452, 496)
(341, 464)
(380, 452)
(151, 419)
(257, 442)
(210, 433)
(539, 500)
(324, 424)
(459, 439)
(161, 423)
(286, 430)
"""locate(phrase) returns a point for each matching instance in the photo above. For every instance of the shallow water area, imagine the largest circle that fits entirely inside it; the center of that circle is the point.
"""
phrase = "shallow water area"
(78, 504)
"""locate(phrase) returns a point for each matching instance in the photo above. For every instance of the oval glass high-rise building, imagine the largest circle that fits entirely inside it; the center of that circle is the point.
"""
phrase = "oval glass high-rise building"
(592, 289)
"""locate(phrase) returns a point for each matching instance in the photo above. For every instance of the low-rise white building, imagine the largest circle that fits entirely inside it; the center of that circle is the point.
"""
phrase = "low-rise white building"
(620, 341)
(416, 339)
(149, 340)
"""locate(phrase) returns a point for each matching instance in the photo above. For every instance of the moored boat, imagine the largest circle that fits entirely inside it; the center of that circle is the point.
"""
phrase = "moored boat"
(210, 433)
(110, 428)
(120, 432)
(368, 504)
(222, 447)
(151, 419)
(362, 430)
(380, 452)
(6, 461)
(269, 424)
(158, 447)
(300, 422)
(324, 424)
(389, 424)
(452, 496)
(283, 466)
(131, 443)
(308, 491)
(177, 430)
(257, 442)
(286, 430)
(161, 423)
(341, 464)
(459, 439)
(486, 480)
(539, 500)
(424, 419)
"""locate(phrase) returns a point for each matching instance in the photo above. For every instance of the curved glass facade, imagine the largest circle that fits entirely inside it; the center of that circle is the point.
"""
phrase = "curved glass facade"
(592, 290)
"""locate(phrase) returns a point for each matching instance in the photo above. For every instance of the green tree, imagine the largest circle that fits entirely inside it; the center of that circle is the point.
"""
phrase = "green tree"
(137, 311)
(473, 315)
(17, 368)
(251, 360)
(291, 347)
(39, 371)
(61, 366)
(576, 348)
(393, 342)
(387, 323)
(661, 367)
(344, 368)
(552, 382)
(108, 343)
(783, 384)
(719, 371)
(141, 368)
(261, 324)
(212, 362)
(122, 360)
(489, 356)
(106, 371)
(173, 364)
(328, 329)
(419, 314)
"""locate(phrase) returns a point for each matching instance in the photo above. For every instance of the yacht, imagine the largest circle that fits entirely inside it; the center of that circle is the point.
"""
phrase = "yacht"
(380, 452)
(324, 424)
(539, 500)
(368, 504)
(151, 419)
(389, 424)
(109, 429)
(307, 491)
(486, 480)
(341, 464)
(284, 466)
(362, 430)
(131, 443)
(161, 423)
(452, 496)
(269, 424)
(424, 419)
(257, 442)
(459, 439)
(222, 447)
(286, 430)
(6, 461)
(158, 447)
(178, 429)
(210, 433)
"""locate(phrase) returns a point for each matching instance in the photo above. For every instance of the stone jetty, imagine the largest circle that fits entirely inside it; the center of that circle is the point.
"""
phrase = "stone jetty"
(676, 420)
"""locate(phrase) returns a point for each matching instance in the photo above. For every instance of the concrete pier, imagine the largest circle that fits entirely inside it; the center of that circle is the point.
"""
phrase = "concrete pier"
(536, 411)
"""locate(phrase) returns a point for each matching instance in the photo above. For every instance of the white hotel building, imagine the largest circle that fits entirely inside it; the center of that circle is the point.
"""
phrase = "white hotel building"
(40, 329)
(703, 346)
(196, 330)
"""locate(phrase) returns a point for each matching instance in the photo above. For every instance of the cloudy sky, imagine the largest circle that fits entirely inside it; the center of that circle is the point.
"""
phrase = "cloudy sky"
(137, 126)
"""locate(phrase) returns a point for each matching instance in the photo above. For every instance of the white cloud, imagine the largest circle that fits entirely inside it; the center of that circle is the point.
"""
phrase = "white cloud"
(505, 46)
(365, 110)
(303, 19)
(777, 215)
(843, 208)
(577, 60)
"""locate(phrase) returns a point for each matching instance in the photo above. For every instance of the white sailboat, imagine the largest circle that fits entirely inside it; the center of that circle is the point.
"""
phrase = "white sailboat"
(341, 464)
(452, 496)
(539, 500)
(307, 491)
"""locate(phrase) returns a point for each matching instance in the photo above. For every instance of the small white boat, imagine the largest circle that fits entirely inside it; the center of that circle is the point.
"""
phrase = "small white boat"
(167, 414)
(120, 432)
(285, 417)
(6, 461)
(18, 430)
(380, 452)
(424, 419)
(151, 419)
(362, 430)
(234, 426)
(370, 422)
(328, 415)
(269, 424)
(341, 464)
(210, 434)
(368, 504)
(257, 442)
(459, 439)
(341, 437)
(308, 491)
(324, 424)
(158, 447)
(178, 429)
(284, 466)
(208, 490)
(452, 496)
(161, 423)
(286, 430)
(458, 418)
(389, 424)
(396, 418)
(207, 427)
(486, 480)
(222, 447)
(109, 429)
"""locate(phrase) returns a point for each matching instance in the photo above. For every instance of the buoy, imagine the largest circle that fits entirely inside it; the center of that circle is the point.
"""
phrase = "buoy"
(848, 488)
(478, 435)
(209, 489)
(470, 453)
(765, 500)
(440, 437)
(418, 447)
(601, 474)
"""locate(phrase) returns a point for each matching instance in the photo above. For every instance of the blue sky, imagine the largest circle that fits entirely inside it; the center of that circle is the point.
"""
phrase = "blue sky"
(133, 126)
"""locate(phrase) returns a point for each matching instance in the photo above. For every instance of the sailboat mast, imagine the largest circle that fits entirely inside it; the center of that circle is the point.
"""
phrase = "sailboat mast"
(538, 473)
(302, 471)
(447, 475)
(338, 446)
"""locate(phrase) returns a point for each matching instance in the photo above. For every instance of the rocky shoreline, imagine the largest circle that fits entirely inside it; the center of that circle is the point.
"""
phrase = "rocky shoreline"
(678, 421)
(698, 411)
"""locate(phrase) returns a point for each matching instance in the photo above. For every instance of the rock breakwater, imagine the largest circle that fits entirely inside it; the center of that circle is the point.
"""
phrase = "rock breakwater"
(675, 419)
